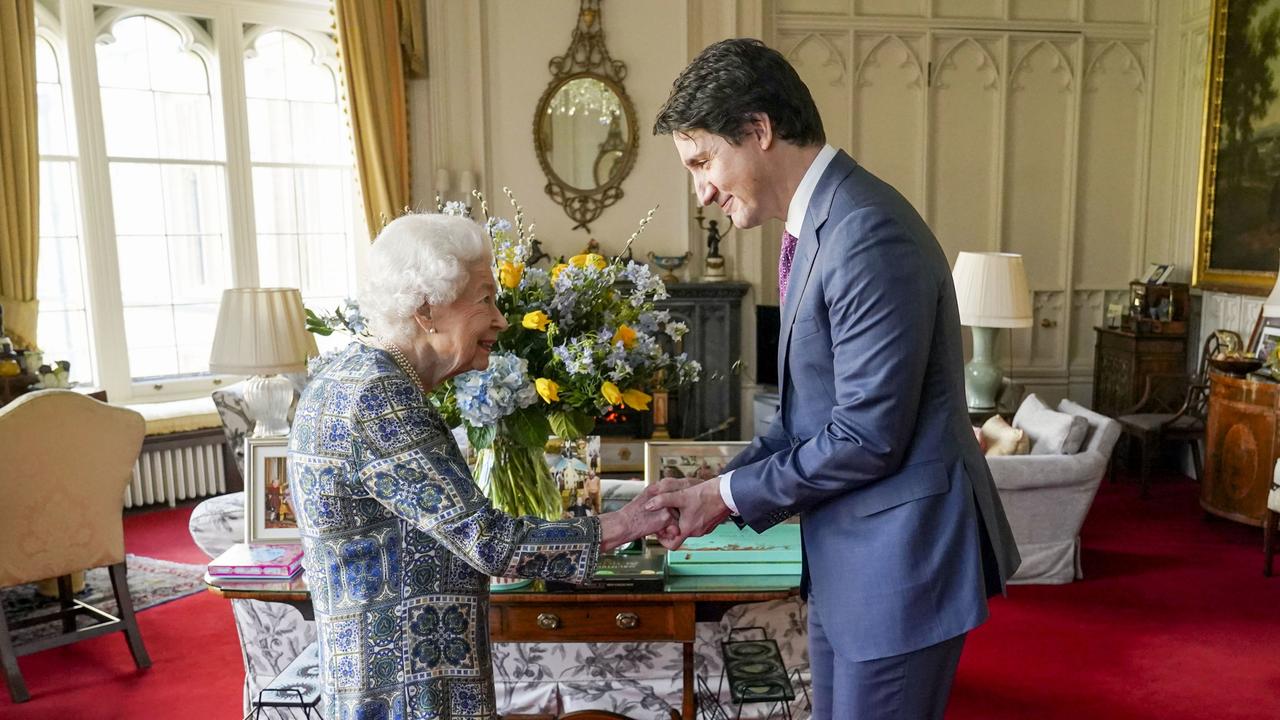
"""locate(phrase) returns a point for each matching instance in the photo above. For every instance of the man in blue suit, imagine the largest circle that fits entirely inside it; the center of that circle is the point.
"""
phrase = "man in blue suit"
(904, 536)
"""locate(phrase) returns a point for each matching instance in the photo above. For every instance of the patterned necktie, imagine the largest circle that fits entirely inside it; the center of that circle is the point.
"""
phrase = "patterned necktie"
(784, 264)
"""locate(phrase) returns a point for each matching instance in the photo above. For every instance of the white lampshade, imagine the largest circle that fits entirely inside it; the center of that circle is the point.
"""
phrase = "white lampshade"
(261, 331)
(991, 289)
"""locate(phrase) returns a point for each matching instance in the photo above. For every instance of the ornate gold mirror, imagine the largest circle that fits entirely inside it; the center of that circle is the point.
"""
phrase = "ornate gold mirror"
(584, 130)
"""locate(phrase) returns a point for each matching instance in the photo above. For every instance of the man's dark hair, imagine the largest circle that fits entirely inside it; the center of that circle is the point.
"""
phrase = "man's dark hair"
(731, 80)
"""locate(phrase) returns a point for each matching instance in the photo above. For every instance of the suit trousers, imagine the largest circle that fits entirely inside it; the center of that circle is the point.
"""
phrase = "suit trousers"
(911, 686)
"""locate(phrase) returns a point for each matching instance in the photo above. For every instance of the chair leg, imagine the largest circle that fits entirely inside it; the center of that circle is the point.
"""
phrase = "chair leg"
(120, 586)
(9, 659)
(66, 599)
(1269, 524)
(1196, 461)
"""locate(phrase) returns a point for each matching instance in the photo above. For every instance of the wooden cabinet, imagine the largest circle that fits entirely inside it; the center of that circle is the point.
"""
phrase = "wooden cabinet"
(633, 620)
(1122, 361)
(1241, 447)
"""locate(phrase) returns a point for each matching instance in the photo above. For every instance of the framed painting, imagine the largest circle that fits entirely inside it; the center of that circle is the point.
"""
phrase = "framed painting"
(1238, 226)
(268, 509)
(688, 458)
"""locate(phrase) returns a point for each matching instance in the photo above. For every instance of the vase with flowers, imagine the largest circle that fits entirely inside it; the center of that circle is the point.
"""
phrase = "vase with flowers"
(583, 337)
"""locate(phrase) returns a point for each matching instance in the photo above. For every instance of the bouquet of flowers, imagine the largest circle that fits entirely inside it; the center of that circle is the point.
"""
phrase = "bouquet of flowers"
(583, 337)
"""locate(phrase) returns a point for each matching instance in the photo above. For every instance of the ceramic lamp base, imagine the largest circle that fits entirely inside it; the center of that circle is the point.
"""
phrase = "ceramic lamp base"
(268, 399)
(982, 376)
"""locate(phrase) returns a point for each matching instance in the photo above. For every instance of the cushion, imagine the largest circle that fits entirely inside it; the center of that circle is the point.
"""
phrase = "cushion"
(178, 415)
(1051, 432)
(1001, 438)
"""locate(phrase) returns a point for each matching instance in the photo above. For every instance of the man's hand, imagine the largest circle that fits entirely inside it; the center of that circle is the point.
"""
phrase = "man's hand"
(698, 506)
(634, 521)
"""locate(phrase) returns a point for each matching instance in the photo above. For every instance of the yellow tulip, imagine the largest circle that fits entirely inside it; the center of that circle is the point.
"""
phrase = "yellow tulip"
(509, 274)
(611, 393)
(547, 389)
(555, 271)
(536, 320)
(626, 335)
(586, 259)
(636, 399)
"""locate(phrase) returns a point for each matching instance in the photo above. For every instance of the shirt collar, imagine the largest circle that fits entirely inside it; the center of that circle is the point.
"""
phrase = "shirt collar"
(800, 201)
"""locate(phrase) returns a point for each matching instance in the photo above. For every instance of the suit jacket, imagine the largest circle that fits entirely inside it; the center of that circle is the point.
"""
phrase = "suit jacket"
(904, 536)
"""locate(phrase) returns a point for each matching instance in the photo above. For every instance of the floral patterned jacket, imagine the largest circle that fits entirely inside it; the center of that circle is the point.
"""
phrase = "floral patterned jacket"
(399, 545)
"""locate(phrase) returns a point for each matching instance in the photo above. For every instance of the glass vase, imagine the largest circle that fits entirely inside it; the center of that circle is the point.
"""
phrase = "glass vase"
(517, 480)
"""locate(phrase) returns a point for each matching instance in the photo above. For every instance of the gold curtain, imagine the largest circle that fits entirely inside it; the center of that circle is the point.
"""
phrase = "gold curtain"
(376, 40)
(19, 171)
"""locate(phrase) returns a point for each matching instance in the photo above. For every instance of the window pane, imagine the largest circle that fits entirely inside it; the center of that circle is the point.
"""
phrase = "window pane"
(64, 335)
(122, 61)
(273, 205)
(137, 198)
(150, 335)
(193, 199)
(198, 267)
(51, 119)
(320, 201)
(278, 261)
(61, 275)
(194, 325)
(164, 50)
(46, 62)
(59, 203)
(185, 124)
(264, 67)
(306, 80)
(269, 130)
(327, 265)
(129, 122)
(144, 270)
(318, 134)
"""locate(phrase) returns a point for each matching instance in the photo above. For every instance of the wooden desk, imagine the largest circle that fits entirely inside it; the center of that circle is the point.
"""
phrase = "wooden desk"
(1242, 442)
(1122, 361)
(535, 615)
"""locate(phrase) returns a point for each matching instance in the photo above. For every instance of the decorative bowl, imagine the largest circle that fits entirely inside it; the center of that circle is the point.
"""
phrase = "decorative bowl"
(1235, 365)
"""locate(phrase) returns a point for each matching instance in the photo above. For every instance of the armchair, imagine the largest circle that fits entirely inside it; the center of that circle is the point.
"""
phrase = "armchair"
(1046, 498)
(62, 512)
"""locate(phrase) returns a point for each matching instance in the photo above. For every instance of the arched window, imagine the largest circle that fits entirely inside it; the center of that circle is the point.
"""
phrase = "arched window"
(63, 323)
(168, 190)
(306, 209)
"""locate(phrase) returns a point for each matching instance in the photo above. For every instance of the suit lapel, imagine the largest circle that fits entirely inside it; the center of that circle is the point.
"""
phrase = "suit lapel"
(806, 251)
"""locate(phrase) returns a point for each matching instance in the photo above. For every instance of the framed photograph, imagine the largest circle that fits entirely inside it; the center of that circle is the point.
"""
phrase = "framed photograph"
(1155, 271)
(1268, 339)
(621, 456)
(688, 458)
(575, 466)
(1238, 226)
(1166, 275)
(268, 509)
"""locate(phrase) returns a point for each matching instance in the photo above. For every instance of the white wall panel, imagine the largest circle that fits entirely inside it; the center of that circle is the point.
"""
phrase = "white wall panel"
(964, 139)
(889, 111)
(821, 59)
(1044, 9)
(1119, 11)
(1112, 156)
(815, 7)
(1040, 143)
(987, 9)
(889, 8)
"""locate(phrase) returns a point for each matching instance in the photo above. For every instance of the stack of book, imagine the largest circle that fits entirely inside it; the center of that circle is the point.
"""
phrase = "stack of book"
(257, 561)
(730, 558)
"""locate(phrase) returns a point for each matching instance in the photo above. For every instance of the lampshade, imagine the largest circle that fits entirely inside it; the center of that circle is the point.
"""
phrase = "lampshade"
(991, 289)
(261, 331)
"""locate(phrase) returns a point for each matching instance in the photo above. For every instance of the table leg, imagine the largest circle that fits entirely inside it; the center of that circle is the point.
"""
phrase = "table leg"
(689, 710)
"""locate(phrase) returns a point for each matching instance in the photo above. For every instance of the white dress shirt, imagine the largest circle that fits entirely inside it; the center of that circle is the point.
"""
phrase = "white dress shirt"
(795, 221)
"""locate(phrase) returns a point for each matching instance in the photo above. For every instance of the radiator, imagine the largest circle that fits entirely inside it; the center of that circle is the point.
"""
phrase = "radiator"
(172, 474)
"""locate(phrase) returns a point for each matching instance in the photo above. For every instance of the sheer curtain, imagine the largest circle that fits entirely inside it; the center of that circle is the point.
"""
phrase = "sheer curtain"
(377, 39)
(19, 171)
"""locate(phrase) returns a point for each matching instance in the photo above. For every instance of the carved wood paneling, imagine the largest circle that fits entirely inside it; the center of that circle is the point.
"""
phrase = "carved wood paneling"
(1112, 165)
(1120, 11)
(1039, 146)
(1044, 9)
(890, 8)
(976, 9)
(889, 110)
(821, 59)
(1088, 310)
(966, 102)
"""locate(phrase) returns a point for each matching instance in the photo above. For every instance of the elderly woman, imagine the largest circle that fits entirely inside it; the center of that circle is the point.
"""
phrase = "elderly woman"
(399, 542)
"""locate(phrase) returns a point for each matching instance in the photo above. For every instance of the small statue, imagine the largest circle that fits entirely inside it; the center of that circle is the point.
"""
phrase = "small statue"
(536, 255)
(713, 239)
(713, 264)
(593, 247)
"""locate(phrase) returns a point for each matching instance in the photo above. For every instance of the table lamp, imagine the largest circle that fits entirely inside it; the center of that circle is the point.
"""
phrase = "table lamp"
(991, 290)
(261, 332)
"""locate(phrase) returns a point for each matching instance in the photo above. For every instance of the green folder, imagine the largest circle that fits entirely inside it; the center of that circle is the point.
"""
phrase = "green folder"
(728, 550)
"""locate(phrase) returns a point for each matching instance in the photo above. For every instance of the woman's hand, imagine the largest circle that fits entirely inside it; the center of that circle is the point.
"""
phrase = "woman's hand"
(634, 521)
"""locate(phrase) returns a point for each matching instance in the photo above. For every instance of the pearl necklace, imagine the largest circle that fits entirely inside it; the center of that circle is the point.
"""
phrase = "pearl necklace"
(398, 356)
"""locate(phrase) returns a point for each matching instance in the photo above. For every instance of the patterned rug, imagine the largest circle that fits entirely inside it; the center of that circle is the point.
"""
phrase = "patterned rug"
(151, 582)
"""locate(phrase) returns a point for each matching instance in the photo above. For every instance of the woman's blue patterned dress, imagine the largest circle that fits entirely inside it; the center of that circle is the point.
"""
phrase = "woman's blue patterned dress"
(399, 546)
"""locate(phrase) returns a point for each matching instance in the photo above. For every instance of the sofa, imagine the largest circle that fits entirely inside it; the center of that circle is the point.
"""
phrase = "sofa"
(1046, 495)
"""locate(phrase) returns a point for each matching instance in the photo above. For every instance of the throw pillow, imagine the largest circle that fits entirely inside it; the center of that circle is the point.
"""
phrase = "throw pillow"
(1051, 432)
(1001, 438)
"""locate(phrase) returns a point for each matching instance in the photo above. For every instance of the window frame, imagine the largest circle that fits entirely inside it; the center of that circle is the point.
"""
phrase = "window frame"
(222, 46)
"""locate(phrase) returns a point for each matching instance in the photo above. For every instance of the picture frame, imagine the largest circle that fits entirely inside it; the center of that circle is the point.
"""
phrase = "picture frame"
(689, 458)
(575, 467)
(268, 515)
(1155, 271)
(1268, 338)
(1238, 223)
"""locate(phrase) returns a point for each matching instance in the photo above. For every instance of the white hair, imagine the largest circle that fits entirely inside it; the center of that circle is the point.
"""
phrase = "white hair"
(418, 258)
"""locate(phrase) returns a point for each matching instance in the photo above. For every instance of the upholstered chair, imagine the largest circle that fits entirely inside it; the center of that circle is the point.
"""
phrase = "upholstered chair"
(64, 464)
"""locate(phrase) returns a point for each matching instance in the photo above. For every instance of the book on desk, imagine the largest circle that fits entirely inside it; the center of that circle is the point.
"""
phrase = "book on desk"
(257, 561)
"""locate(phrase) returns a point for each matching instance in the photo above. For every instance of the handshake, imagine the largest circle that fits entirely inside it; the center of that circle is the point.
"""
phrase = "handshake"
(674, 509)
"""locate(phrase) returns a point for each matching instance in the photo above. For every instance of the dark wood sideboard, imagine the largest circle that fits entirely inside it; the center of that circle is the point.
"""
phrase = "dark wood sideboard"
(1242, 442)
(1122, 360)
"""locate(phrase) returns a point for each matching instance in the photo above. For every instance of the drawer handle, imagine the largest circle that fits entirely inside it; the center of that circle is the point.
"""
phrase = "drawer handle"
(548, 621)
(627, 621)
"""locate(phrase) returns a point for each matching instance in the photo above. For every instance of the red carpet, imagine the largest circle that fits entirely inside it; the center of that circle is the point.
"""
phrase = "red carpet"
(1173, 621)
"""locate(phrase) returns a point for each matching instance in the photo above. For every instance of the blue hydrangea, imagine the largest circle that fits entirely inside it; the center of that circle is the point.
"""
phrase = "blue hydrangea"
(486, 396)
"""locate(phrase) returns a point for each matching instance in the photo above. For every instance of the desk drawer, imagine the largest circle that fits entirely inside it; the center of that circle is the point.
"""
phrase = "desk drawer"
(590, 622)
